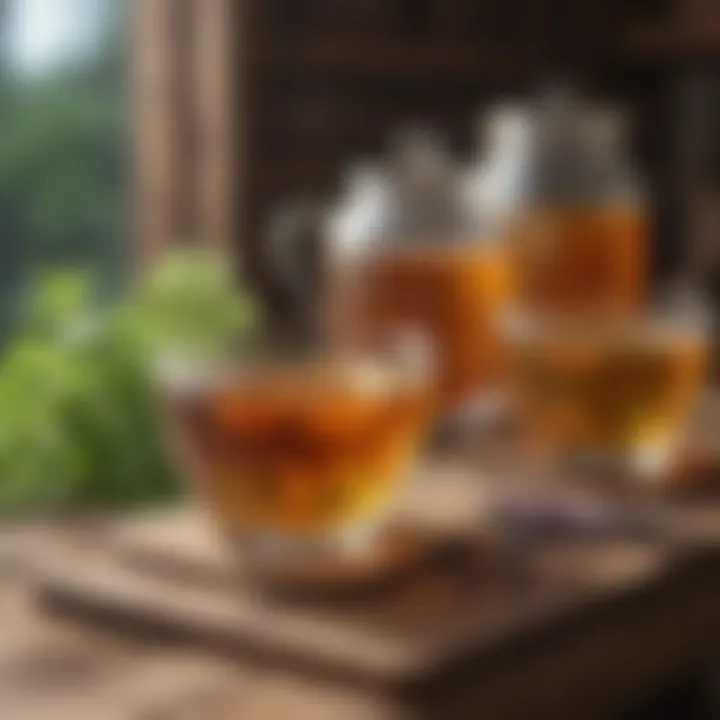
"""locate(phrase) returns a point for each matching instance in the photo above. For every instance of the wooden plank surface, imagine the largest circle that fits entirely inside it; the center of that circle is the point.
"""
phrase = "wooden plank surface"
(55, 669)
(435, 636)
(51, 667)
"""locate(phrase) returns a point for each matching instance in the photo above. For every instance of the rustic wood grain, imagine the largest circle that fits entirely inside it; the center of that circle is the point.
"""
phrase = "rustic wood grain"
(464, 633)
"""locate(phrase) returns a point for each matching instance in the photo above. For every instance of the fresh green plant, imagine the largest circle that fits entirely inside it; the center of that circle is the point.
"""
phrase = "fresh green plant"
(78, 423)
(188, 304)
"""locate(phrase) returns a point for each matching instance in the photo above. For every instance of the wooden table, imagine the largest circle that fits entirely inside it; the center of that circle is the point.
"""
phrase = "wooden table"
(51, 667)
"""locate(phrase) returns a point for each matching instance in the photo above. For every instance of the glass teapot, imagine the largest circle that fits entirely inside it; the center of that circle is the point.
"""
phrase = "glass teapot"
(583, 241)
(402, 249)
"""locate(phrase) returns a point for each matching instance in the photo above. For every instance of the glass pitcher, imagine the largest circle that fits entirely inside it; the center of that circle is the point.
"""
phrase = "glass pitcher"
(583, 242)
(402, 250)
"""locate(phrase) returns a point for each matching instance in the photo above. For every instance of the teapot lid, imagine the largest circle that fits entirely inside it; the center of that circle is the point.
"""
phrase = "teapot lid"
(424, 179)
(505, 128)
(605, 126)
(364, 176)
(419, 160)
(362, 215)
(577, 144)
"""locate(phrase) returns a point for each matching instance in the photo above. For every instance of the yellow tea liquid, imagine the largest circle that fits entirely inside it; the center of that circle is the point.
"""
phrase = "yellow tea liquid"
(615, 388)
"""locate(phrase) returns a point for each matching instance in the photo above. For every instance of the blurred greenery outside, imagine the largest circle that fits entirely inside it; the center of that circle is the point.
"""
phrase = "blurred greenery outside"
(78, 422)
(63, 140)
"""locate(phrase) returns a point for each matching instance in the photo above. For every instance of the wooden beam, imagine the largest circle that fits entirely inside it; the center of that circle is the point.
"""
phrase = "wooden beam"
(215, 102)
(155, 152)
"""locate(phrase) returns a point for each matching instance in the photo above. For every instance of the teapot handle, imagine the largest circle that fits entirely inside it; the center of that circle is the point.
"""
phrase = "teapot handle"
(293, 237)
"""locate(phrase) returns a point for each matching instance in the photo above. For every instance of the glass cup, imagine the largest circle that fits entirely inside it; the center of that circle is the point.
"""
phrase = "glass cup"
(299, 455)
(607, 396)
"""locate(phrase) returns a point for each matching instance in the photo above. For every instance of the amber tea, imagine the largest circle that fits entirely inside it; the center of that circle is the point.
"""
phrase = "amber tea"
(454, 294)
(302, 449)
(583, 259)
(624, 388)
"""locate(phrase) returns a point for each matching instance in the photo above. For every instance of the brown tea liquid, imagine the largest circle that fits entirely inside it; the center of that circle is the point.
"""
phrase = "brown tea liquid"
(583, 258)
(454, 295)
(303, 450)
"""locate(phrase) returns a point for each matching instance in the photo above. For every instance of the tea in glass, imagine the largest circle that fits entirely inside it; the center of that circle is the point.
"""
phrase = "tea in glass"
(583, 259)
(618, 389)
(454, 294)
(290, 451)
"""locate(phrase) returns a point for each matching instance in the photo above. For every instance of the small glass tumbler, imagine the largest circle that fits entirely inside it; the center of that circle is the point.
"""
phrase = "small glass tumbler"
(607, 396)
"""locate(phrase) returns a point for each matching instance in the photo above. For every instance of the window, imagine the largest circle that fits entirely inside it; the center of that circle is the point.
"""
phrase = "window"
(62, 142)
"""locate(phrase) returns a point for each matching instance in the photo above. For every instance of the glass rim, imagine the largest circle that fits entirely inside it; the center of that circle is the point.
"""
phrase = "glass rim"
(404, 366)
(655, 326)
